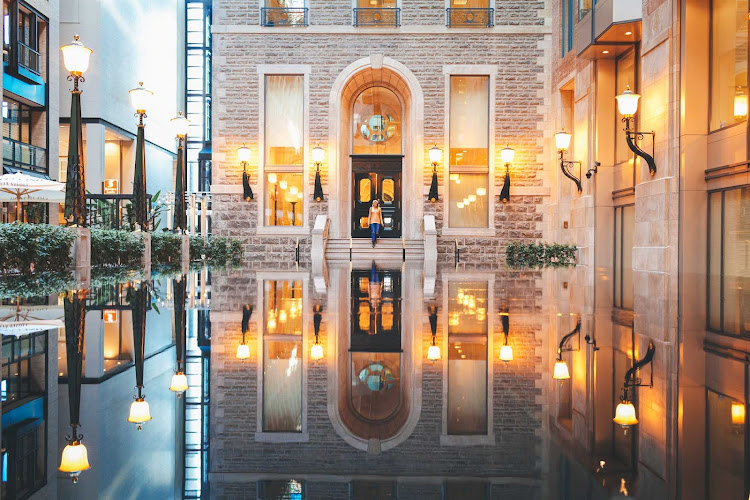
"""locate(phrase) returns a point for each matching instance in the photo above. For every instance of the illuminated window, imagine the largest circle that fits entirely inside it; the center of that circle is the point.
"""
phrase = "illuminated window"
(729, 99)
(376, 121)
(469, 151)
(623, 268)
(284, 199)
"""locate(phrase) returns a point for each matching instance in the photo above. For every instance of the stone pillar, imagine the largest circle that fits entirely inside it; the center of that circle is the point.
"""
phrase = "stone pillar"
(81, 249)
(146, 257)
(185, 253)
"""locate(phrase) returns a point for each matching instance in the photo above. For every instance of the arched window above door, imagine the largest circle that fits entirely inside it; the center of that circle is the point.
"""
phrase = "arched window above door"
(376, 123)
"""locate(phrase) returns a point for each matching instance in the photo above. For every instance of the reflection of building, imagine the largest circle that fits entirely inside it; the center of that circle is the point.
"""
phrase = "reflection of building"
(30, 100)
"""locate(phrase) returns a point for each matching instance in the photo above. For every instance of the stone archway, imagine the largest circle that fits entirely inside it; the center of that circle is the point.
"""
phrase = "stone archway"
(375, 70)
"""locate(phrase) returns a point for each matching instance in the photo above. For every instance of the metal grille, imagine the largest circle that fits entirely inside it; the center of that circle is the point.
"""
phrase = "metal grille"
(274, 16)
(21, 155)
(377, 17)
(470, 18)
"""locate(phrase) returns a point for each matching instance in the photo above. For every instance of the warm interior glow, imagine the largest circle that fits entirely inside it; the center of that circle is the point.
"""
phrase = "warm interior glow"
(740, 105)
(625, 414)
(180, 125)
(627, 102)
(562, 140)
(506, 353)
(76, 57)
(139, 411)
(433, 353)
(179, 383)
(243, 351)
(738, 413)
(272, 178)
(75, 458)
(561, 371)
(316, 352)
(140, 98)
(436, 154)
(507, 154)
(318, 154)
(244, 154)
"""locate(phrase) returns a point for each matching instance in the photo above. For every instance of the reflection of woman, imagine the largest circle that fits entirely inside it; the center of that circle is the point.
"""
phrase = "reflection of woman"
(375, 288)
(375, 220)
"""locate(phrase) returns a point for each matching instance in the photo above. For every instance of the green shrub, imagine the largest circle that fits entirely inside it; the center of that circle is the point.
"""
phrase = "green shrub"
(218, 251)
(46, 247)
(110, 247)
(36, 285)
(538, 255)
(165, 247)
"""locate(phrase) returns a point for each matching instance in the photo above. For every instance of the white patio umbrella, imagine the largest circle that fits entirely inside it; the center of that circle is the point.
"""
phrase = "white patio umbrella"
(20, 187)
(22, 320)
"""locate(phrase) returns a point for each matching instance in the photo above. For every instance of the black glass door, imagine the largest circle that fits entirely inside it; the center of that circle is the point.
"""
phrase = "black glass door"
(376, 178)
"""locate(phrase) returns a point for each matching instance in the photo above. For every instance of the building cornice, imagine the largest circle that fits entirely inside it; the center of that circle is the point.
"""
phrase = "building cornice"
(244, 29)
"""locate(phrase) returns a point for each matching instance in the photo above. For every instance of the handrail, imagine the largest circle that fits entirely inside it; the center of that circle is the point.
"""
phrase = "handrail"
(33, 56)
(483, 17)
(283, 16)
(25, 155)
(377, 16)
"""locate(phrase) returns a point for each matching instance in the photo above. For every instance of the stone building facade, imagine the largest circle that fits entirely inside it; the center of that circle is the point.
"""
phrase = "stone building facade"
(415, 60)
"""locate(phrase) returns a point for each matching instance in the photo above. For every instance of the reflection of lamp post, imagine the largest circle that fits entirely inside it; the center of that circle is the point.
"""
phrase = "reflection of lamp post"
(436, 154)
(179, 379)
(433, 352)
(316, 351)
(506, 154)
(139, 409)
(627, 105)
(318, 155)
(625, 412)
(76, 57)
(560, 371)
(74, 456)
(506, 351)
(180, 125)
(140, 98)
(243, 350)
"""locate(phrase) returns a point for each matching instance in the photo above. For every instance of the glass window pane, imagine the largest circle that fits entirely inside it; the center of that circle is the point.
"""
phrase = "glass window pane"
(389, 188)
(736, 261)
(365, 190)
(285, 4)
(469, 120)
(468, 200)
(726, 449)
(376, 391)
(284, 199)
(467, 385)
(376, 123)
(467, 307)
(284, 117)
(628, 228)
(283, 302)
(470, 4)
(282, 386)
(376, 4)
(714, 262)
(728, 62)
(625, 76)
(617, 268)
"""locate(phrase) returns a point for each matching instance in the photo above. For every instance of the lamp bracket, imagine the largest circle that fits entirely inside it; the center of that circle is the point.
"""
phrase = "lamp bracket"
(561, 348)
(591, 341)
(593, 169)
(76, 78)
(631, 136)
(631, 377)
(566, 165)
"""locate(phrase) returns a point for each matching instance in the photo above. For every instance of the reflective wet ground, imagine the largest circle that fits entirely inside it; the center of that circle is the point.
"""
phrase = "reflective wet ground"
(364, 380)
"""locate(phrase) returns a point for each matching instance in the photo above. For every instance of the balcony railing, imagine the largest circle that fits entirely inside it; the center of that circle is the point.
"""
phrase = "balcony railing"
(21, 155)
(470, 18)
(29, 58)
(377, 17)
(111, 211)
(283, 16)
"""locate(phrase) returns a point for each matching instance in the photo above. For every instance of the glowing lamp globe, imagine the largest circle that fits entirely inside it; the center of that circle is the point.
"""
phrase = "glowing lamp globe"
(627, 102)
(433, 353)
(243, 351)
(316, 352)
(625, 415)
(506, 353)
(272, 178)
(139, 412)
(562, 140)
(140, 98)
(244, 154)
(75, 459)
(180, 125)
(436, 154)
(76, 57)
(740, 105)
(561, 371)
(318, 154)
(179, 383)
(481, 192)
(507, 154)
(738, 413)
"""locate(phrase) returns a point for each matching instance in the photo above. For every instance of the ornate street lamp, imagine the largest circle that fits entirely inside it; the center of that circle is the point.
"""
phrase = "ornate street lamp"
(140, 99)
(562, 141)
(243, 350)
(436, 154)
(139, 409)
(180, 126)
(179, 379)
(244, 155)
(625, 412)
(627, 104)
(316, 351)
(74, 456)
(561, 371)
(433, 352)
(76, 58)
(318, 154)
(506, 154)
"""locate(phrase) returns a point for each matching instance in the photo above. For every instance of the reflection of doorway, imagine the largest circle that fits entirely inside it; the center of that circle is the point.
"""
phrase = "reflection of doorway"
(376, 178)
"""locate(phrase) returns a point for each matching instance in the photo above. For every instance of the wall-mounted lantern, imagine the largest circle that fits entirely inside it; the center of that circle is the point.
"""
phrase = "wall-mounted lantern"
(243, 350)
(627, 104)
(562, 142)
(740, 103)
(318, 155)
(738, 416)
(506, 154)
(561, 371)
(625, 412)
(243, 154)
(433, 352)
(506, 351)
(316, 351)
(436, 154)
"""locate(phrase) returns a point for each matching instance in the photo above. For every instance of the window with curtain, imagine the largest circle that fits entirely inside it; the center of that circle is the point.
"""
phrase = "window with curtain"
(729, 261)
(467, 357)
(729, 99)
(282, 356)
(626, 71)
(623, 268)
(284, 134)
(469, 151)
(376, 122)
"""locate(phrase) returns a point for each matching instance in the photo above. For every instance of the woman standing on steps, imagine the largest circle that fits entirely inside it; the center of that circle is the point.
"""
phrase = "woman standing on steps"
(375, 220)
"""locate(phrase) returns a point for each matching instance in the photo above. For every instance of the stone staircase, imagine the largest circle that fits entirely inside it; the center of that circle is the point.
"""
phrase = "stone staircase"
(337, 249)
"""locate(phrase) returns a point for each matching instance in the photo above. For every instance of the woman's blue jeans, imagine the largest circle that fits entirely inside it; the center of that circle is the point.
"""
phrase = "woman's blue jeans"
(374, 229)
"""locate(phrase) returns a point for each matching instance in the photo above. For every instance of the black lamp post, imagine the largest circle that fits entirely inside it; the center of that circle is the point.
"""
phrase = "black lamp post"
(140, 98)
(139, 409)
(180, 124)
(179, 379)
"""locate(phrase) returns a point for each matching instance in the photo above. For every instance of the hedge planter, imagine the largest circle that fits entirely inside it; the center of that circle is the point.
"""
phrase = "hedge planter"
(538, 255)
(111, 247)
(217, 251)
(26, 248)
(166, 248)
